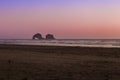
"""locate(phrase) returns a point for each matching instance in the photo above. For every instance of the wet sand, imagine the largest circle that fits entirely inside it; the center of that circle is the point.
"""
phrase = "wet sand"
(20, 62)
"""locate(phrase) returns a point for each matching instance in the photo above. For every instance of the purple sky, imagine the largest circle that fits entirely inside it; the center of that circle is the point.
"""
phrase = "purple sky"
(20, 19)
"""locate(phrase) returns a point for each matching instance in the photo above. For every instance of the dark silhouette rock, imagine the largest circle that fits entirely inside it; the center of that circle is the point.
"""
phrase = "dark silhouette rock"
(50, 36)
(37, 36)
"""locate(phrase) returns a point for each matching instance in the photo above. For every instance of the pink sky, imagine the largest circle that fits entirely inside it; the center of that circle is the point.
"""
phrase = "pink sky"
(67, 21)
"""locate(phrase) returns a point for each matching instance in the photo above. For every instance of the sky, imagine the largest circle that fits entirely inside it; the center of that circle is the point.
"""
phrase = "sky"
(66, 19)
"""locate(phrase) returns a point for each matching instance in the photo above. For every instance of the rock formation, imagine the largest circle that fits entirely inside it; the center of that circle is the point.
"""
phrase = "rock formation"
(37, 36)
(50, 37)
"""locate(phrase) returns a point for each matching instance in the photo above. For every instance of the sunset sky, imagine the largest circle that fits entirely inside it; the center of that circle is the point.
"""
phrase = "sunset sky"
(20, 19)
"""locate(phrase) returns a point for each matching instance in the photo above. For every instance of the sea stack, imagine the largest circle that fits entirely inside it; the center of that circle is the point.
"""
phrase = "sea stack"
(37, 36)
(50, 37)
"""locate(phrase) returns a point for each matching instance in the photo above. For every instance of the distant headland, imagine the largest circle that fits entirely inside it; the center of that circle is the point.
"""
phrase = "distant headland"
(38, 36)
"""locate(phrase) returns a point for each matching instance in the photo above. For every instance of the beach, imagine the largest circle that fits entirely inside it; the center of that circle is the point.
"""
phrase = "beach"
(35, 62)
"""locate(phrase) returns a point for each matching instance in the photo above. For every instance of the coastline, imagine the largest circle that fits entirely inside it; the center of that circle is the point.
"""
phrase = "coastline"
(62, 45)
(105, 43)
(33, 62)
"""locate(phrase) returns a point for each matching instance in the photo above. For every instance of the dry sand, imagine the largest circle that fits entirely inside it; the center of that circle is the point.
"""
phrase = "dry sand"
(18, 62)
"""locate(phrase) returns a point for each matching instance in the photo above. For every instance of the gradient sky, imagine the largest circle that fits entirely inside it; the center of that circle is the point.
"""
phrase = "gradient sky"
(20, 19)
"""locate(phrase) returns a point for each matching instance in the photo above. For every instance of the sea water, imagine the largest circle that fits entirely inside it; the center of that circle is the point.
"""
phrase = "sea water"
(65, 42)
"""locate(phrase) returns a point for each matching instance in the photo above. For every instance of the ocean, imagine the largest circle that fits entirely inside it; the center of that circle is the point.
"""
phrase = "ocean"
(65, 42)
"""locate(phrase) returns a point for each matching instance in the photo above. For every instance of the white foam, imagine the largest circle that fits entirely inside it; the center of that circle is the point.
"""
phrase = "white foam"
(81, 43)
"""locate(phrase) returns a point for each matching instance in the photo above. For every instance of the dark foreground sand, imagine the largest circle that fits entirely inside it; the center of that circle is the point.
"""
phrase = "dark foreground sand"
(58, 63)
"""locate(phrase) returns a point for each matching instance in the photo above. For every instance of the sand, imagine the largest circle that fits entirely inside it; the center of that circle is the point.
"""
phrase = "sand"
(23, 62)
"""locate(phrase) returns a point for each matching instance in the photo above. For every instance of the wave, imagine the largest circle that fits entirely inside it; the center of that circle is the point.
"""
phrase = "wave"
(68, 42)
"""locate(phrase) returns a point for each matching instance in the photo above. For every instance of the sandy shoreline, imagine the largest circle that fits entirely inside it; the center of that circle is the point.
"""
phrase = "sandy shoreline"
(26, 62)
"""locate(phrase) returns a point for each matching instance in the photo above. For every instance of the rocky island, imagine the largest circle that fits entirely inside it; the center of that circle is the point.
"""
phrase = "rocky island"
(38, 36)
(50, 36)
